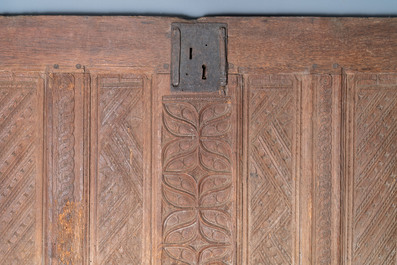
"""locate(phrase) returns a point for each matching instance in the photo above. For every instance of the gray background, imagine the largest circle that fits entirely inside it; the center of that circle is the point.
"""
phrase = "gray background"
(201, 7)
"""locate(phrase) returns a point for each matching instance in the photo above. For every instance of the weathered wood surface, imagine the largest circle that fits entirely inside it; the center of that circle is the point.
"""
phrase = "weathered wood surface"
(278, 43)
(294, 163)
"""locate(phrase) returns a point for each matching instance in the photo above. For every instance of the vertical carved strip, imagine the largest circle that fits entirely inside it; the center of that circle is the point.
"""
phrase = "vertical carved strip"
(66, 139)
(67, 212)
(66, 98)
(272, 157)
(305, 186)
(326, 176)
(323, 168)
(336, 178)
(118, 177)
(20, 168)
(347, 169)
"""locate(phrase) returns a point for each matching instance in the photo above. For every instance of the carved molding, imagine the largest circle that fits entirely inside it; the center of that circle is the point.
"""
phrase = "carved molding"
(66, 163)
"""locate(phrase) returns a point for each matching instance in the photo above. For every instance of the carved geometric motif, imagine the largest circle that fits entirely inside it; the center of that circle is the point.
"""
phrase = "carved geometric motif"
(119, 203)
(272, 112)
(374, 211)
(197, 181)
(18, 168)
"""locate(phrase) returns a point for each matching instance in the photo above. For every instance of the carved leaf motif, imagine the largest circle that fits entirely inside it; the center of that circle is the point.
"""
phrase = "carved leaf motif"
(180, 155)
(179, 190)
(215, 112)
(181, 182)
(214, 155)
(180, 226)
(215, 226)
(178, 198)
(197, 184)
(215, 127)
(215, 256)
(183, 255)
(215, 190)
(180, 119)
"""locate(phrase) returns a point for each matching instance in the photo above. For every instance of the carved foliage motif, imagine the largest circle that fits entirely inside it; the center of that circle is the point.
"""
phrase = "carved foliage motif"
(270, 184)
(375, 169)
(197, 182)
(18, 172)
(120, 170)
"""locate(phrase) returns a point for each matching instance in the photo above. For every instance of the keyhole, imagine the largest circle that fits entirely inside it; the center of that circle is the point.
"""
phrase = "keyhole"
(190, 53)
(204, 72)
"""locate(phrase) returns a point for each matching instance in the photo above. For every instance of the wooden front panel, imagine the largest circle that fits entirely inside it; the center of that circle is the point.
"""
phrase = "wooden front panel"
(293, 162)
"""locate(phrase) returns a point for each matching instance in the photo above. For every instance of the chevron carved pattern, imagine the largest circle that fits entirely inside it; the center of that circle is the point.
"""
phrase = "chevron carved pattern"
(272, 113)
(18, 168)
(374, 217)
(120, 170)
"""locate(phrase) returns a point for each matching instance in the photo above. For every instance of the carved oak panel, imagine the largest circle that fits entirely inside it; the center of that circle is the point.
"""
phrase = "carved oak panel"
(273, 122)
(118, 180)
(370, 224)
(198, 208)
(20, 167)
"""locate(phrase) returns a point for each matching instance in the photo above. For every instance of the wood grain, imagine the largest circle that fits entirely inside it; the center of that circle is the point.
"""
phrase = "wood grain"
(271, 43)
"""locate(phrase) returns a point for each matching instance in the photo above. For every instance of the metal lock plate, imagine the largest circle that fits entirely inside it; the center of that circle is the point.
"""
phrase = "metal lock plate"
(198, 62)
